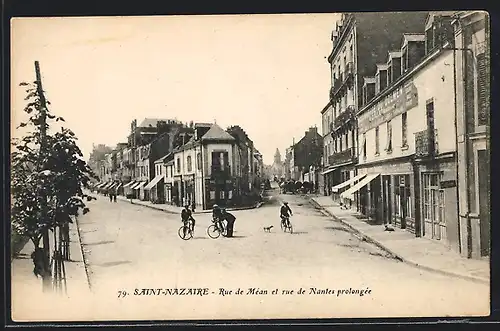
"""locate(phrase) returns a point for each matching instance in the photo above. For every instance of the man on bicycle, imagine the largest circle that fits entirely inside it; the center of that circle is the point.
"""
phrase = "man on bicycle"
(285, 213)
(187, 215)
(217, 215)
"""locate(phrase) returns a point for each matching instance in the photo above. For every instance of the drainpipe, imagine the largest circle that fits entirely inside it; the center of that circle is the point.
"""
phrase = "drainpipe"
(466, 142)
(456, 147)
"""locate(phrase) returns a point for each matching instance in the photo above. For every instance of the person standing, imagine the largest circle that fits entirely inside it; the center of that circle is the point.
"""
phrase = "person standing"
(230, 219)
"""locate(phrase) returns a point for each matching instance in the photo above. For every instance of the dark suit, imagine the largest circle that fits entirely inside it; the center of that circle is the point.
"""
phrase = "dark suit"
(230, 219)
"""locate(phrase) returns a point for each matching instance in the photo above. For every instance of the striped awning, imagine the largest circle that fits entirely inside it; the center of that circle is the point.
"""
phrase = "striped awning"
(112, 186)
(107, 185)
(138, 186)
(119, 185)
(152, 183)
(129, 184)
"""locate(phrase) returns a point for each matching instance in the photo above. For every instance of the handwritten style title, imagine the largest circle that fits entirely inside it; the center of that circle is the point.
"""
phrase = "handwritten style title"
(249, 291)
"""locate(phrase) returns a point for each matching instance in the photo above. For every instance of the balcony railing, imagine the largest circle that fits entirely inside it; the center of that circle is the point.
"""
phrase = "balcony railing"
(345, 156)
(337, 85)
(348, 71)
(426, 143)
(344, 117)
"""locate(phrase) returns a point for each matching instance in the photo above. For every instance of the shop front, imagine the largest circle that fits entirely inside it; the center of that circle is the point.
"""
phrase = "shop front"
(219, 191)
(155, 189)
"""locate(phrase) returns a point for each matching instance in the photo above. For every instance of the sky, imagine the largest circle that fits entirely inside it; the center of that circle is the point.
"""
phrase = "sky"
(267, 73)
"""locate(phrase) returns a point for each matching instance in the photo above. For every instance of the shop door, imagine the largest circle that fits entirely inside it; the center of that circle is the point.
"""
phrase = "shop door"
(484, 200)
(433, 202)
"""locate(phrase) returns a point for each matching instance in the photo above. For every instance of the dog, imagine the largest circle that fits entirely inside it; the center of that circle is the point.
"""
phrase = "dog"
(268, 228)
(388, 228)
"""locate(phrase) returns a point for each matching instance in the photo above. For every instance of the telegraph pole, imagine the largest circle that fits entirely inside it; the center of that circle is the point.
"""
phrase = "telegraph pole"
(43, 142)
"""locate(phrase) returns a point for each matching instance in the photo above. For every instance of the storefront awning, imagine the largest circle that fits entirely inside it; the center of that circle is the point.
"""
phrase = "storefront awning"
(336, 188)
(129, 184)
(349, 194)
(138, 186)
(328, 171)
(134, 185)
(99, 185)
(152, 183)
(118, 186)
(107, 185)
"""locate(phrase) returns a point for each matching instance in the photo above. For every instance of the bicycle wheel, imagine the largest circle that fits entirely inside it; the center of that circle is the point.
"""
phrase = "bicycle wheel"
(290, 227)
(283, 226)
(185, 233)
(213, 232)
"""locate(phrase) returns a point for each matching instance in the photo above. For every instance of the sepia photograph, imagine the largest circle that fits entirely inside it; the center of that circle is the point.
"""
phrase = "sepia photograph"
(243, 167)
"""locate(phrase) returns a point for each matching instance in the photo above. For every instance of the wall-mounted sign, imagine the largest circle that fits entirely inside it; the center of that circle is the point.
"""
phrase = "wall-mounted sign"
(448, 183)
(395, 103)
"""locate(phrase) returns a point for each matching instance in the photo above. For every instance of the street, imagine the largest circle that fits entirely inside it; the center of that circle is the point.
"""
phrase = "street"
(131, 247)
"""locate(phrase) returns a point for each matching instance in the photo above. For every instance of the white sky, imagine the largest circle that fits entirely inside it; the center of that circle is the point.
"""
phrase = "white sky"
(266, 73)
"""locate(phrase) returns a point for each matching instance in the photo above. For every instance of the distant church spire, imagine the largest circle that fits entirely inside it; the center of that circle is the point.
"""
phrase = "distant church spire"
(277, 156)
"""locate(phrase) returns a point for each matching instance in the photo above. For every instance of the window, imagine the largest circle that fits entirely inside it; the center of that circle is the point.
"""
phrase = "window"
(198, 160)
(404, 130)
(178, 165)
(189, 164)
(388, 146)
(404, 59)
(377, 141)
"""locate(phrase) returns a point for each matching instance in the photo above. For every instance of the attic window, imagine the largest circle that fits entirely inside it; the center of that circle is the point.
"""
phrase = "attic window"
(429, 39)
(404, 59)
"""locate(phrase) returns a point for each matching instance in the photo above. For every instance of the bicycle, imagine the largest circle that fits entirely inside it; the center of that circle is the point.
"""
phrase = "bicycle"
(216, 229)
(186, 231)
(286, 224)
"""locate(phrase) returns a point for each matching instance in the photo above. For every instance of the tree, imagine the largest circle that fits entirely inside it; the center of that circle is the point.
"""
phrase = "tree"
(47, 180)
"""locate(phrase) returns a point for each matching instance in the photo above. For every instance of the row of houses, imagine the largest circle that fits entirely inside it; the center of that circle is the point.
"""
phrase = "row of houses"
(406, 128)
(168, 162)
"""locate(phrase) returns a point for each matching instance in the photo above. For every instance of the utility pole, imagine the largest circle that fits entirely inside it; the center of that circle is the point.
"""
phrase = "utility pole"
(43, 142)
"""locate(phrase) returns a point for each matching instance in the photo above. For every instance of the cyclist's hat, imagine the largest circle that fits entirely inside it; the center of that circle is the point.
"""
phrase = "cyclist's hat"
(215, 206)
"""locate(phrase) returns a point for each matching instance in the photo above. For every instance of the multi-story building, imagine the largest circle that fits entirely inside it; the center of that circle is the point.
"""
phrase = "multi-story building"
(360, 42)
(204, 168)
(307, 153)
(407, 163)
(472, 67)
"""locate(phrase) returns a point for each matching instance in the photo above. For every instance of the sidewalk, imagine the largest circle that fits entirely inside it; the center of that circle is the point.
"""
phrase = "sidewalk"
(173, 209)
(403, 245)
(25, 286)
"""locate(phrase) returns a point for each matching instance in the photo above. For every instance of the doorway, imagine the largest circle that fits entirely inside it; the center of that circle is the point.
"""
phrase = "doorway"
(433, 205)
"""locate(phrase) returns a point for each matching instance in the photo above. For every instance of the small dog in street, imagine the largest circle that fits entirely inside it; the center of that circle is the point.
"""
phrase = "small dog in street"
(268, 228)
(388, 228)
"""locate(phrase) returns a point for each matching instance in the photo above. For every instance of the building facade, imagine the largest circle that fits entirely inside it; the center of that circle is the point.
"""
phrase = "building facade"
(472, 66)
(406, 173)
(360, 42)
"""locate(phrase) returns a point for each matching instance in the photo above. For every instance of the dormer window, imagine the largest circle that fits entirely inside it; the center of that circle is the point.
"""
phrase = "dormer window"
(389, 72)
(404, 59)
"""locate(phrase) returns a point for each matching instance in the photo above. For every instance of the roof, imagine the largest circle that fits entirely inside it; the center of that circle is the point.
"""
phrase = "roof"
(432, 14)
(414, 36)
(203, 125)
(217, 133)
(165, 157)
(147, 122)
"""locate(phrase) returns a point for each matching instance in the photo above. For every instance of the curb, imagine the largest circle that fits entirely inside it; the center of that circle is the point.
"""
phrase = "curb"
(85, 263)
(398, 256)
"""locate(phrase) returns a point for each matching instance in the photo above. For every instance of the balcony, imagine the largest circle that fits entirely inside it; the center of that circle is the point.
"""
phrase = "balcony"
(426, 143)
(344, 118)
(337, 85)
(346, 156)
(348, 72)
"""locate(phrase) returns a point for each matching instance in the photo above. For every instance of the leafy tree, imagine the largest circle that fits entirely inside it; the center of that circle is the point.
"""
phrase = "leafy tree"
(47, 170)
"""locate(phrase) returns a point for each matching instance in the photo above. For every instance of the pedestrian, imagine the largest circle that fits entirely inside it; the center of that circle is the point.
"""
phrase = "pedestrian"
(110, 196)
(230, 219)
(114, 195)
(193, 207)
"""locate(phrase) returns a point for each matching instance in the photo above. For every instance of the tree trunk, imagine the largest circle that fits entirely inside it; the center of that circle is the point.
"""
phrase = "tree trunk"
(46, 274)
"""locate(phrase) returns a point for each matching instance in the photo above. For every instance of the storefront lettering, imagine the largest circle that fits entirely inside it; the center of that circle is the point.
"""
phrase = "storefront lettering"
(399, 101)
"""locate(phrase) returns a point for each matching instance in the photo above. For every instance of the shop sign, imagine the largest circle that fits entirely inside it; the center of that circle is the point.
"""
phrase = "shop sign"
(395, 103)
(448, 183)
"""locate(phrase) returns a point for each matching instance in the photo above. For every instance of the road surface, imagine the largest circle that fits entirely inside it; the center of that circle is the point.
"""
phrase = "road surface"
(129, 248)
